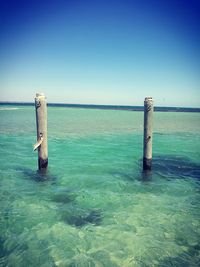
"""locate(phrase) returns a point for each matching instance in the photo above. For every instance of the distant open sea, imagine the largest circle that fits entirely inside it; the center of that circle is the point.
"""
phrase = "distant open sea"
(95, 207)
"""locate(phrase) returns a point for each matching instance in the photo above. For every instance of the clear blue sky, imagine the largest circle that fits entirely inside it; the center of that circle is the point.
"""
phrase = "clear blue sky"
(101, 52)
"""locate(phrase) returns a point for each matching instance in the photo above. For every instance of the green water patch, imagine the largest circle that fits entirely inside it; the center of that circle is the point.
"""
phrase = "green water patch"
(95, 206)
(180, 144)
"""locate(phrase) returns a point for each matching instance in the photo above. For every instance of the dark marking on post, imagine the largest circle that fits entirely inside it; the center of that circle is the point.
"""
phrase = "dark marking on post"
(42, 163)
(147, 164)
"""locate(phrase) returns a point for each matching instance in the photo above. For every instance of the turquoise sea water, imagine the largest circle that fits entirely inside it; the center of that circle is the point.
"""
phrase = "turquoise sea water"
(95, 207)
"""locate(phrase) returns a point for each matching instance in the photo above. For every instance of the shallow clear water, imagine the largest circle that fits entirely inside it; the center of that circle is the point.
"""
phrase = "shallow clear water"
(95, 207)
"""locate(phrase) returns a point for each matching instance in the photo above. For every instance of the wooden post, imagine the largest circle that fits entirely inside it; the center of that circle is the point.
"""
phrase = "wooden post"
(148, 128)
(41, 122)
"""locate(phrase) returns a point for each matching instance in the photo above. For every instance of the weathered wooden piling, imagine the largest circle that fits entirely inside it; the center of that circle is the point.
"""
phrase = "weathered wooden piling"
(148, 129)
(41, 123)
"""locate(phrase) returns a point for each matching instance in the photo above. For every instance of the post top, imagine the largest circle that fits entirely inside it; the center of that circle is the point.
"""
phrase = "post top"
(149, 98)
(39, 94)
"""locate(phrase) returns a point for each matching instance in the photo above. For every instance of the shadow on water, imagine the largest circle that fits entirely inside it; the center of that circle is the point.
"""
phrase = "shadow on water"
(38, 175)
(3, 253)
(65, 199)
(166, 166)
(146, 176)
(20, 248)
(134, 174)
(63, 196)
(170, 166)
(184, 259)
(71, 212)
(80, 218)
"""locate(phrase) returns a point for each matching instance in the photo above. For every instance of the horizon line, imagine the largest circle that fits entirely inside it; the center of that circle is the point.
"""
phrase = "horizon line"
(107, 106)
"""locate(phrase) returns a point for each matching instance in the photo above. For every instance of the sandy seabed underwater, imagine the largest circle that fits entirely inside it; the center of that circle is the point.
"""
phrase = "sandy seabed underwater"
(95, 206)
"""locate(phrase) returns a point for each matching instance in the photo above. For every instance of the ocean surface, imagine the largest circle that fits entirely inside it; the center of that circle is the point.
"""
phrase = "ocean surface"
(95, 207)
